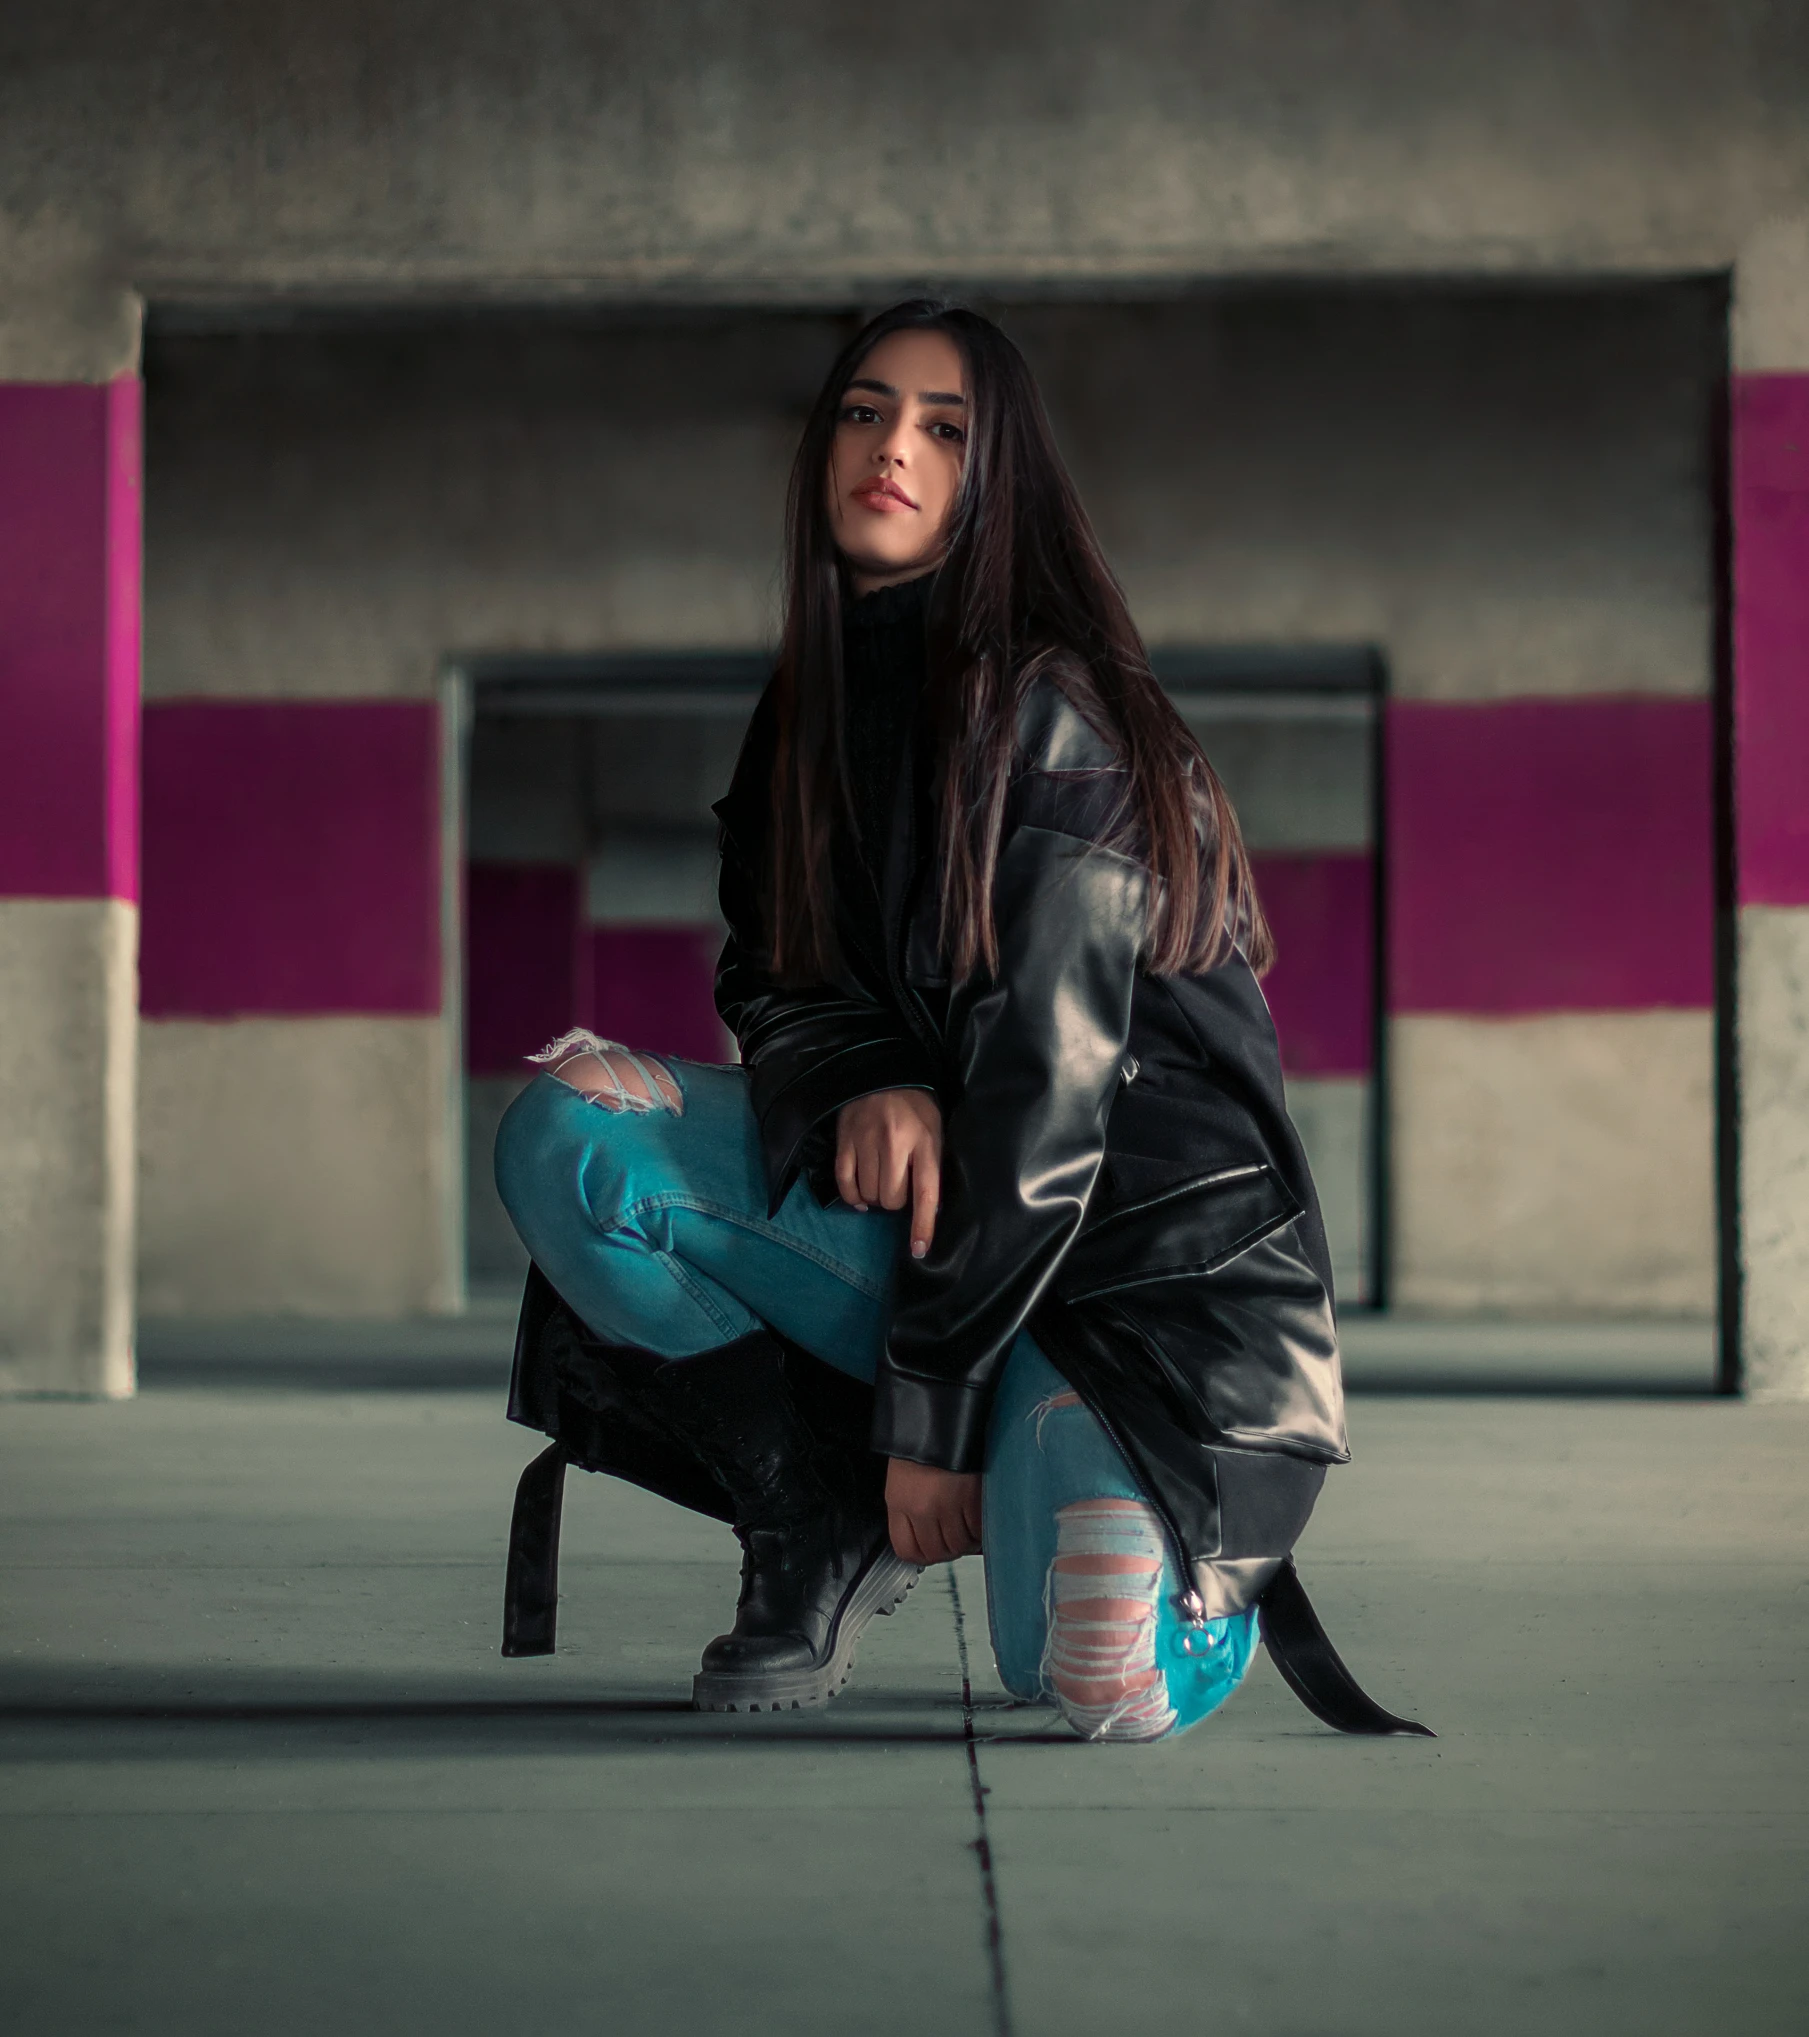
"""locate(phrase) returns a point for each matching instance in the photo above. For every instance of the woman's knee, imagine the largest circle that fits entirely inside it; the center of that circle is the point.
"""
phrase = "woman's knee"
(614, 1077)
(521, 1155)
(1105, 1601)
(541, 1131)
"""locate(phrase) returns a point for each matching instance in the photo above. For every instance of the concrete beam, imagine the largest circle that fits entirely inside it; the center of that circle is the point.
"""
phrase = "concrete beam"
(1770, 311)
(684, 149)
(66, 312)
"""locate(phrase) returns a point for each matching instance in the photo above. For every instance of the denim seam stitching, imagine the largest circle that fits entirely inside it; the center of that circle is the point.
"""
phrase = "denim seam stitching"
(726, 1213)
(675, 1267)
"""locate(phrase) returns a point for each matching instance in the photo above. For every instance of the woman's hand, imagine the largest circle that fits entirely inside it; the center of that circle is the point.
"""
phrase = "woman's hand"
(934, 1515)
(888, 1150)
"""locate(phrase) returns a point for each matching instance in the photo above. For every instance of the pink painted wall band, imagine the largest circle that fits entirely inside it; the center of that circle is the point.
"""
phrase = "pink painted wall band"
(654, 987)
(291, 858)
(70, 466)
(1321, 990)
(1770, 486)
(1550, 855)
(522, 940)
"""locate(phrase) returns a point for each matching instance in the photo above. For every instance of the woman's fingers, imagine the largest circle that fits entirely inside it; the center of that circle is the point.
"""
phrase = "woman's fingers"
(888, 1152)
(930, 1537)
(867, 1163)
(847, 1181)
(926, 1197)
(913, 1532)
(934, 1516)
(897, 1147)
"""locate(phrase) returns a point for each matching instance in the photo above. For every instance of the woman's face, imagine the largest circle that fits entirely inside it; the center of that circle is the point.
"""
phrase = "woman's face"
(895, 461)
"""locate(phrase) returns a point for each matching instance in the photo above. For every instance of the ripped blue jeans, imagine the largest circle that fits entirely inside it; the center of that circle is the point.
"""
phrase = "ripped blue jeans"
(652, 1223)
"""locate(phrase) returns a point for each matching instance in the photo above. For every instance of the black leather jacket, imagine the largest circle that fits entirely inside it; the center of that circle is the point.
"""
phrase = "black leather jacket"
(1120, 1175)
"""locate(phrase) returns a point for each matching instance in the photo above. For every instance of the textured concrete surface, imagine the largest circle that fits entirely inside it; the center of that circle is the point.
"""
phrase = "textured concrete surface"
(694, 147)
(1332, 1117)
(1508, 492)
(68, 1071)
(264, 1768)
(1554, 1166)
(1774, 1148)
(297, 1164)
(493, 1252)
(1769, 328)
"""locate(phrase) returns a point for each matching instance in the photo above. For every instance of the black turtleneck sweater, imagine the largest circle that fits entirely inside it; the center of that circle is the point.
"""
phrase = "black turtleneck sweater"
(884, 658)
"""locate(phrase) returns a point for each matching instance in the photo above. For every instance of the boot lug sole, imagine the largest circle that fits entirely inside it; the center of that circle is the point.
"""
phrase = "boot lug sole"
(881, 1589)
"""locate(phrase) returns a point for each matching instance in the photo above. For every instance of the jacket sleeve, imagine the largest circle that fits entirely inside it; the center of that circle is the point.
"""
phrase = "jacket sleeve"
(1040, 1044)
(808, 1049)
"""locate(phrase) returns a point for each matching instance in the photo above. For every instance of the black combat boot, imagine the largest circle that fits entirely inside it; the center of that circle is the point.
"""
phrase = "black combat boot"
(786, 1439)
(588, 1396)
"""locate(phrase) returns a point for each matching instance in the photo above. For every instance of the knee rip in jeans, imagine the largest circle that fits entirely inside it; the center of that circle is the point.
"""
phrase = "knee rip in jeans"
(610, 1075)
(1104, 1600)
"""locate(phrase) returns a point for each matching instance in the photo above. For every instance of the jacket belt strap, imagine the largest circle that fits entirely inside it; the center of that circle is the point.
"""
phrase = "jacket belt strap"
(531, 1582)
(1311, 1668)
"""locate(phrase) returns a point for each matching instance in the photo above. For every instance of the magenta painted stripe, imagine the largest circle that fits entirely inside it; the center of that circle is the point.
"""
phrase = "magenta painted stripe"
(69, 517)
(1771, 637)
(521, 959)
(1321, 910)
(653, 987)
(125, 525)
(1550, 855)
(291, 858)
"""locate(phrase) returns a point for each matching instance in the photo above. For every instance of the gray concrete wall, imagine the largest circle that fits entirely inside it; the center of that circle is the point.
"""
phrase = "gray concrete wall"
(1774, 1079)
(372, 147)
(296, 1166)
(1510, 494)
(332, 514)
(68, 1073)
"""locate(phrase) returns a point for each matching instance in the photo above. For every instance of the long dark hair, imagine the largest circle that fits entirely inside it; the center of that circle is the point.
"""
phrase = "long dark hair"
(1023, 588)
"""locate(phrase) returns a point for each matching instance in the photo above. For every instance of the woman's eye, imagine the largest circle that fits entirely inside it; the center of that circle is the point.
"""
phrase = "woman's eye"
(950, 434)
(860, 413)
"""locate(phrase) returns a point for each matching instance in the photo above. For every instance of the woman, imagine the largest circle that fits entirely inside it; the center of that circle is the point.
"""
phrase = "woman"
(1007, 1144)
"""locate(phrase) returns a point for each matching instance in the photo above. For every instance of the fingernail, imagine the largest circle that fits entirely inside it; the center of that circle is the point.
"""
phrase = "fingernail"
(919, 1246)
(862, 1207)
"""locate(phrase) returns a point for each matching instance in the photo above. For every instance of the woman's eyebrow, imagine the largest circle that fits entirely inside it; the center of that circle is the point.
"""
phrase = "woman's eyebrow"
(951, 398)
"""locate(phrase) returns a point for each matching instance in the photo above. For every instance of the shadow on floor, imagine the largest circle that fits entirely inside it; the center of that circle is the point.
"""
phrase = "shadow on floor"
(146, 1701)
(1384, 1354)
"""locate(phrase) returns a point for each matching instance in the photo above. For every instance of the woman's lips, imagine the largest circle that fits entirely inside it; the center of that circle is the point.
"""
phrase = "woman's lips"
(885, 496)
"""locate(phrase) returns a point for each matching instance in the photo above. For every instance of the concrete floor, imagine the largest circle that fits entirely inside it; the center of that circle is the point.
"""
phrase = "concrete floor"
(265, 1771)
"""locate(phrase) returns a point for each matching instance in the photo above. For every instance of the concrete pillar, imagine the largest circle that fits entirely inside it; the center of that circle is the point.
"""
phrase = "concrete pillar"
(1770, 519)
(69, 690)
